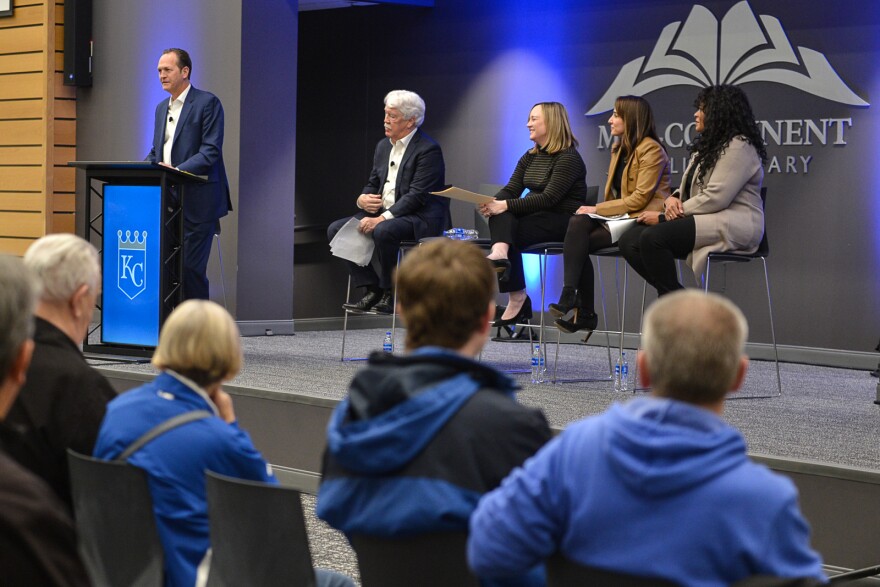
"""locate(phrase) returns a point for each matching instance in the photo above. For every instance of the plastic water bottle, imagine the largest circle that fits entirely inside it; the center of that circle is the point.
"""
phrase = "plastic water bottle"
(388, 343)
(624, 375)
(618, 371)
(537, 365)
(461, 234)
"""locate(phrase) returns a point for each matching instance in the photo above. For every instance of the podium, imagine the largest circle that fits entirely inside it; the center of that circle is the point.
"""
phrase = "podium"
(134, 217)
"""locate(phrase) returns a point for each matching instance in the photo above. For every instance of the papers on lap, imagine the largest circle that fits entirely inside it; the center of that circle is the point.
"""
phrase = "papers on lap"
(464, 195)
(352, 245)
(617, 225)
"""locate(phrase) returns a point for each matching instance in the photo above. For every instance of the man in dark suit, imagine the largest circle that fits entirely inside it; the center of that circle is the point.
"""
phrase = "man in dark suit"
(64, 399)
(395, 204)
(189, 136)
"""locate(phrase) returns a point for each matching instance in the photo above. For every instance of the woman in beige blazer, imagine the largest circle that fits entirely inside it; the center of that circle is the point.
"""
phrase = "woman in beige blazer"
(638, 180)
(718, 206)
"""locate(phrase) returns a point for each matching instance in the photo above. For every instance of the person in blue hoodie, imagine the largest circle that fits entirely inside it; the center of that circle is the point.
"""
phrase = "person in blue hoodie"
(422, 436)
(659, 487)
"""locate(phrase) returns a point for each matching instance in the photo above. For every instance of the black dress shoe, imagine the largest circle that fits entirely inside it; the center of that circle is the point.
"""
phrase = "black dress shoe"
(568, 299)
(366, 303)
(525, 313)
(502, 268)
(386, 304)
(583, 320)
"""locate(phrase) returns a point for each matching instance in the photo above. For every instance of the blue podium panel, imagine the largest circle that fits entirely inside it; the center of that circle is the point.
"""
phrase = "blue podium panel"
(132, 228)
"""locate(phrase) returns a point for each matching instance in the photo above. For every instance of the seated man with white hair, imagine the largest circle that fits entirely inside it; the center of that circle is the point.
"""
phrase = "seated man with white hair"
(661, 486)
(64, 399)
(396, 204)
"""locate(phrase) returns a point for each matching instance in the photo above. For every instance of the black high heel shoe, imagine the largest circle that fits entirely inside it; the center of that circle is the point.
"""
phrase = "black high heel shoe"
(582, 320)
(568, 299)
(525, 313)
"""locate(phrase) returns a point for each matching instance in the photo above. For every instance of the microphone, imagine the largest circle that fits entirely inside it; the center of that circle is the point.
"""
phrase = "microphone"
(392, 164)
(170, 119)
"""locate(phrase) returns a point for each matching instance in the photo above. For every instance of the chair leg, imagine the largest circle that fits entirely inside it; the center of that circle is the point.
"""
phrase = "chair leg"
(772, 328)
(345, 317)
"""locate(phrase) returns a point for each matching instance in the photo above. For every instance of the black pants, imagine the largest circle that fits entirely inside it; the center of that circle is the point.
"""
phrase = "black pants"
(522, 232)
(652, 251)
(584, 236)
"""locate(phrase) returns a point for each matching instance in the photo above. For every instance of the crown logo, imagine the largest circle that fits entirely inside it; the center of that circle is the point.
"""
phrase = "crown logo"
(138, 243)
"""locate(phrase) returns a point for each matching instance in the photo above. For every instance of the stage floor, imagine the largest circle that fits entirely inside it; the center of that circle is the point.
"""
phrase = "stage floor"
(824, 414)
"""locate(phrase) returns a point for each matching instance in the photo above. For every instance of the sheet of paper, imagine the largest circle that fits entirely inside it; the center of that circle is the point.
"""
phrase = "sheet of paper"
(600, 217)
(618, 227)
(352, 245)
(464, 195)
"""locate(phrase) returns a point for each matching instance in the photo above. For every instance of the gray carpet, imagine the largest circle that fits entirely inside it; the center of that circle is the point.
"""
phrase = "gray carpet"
(824, 414)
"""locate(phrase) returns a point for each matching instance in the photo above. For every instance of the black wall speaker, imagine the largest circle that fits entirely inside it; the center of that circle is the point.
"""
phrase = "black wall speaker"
(77, 42)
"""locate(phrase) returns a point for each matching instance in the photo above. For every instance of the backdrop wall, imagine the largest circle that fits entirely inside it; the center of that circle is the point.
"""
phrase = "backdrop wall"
(480, 66)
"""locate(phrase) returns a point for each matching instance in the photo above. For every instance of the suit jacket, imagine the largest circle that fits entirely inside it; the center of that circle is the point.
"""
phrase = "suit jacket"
(421, 171)
(644, 183)
(198, 149)
(60, 406)
(727, 208)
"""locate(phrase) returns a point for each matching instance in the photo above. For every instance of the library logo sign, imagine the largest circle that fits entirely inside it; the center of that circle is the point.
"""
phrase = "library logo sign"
(738, 49)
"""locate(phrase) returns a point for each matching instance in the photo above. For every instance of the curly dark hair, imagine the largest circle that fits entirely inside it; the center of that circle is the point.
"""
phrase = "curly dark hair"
(727, 114)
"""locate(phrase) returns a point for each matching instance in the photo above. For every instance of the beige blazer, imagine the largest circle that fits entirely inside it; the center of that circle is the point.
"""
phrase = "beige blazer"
(727, 208)
(644, 183)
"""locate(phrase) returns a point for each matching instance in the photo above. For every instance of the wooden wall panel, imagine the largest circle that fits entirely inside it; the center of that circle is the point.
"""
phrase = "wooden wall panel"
(22, 224)
(37, 127)
(15, 246)
(18, 109)
(21, 202)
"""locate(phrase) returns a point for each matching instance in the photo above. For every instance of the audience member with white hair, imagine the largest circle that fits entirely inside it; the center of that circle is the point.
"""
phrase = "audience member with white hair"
(37, 538)
(64, 399)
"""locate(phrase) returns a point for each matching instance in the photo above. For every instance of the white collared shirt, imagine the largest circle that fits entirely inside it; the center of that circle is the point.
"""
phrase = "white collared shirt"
(388, 190)
(174, 109)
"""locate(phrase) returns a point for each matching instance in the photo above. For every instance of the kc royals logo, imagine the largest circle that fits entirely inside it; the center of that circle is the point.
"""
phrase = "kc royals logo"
(132, 275)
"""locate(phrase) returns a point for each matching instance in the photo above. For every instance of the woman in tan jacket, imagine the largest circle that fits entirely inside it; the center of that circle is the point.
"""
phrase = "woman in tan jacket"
(638, 180)
(718, 206)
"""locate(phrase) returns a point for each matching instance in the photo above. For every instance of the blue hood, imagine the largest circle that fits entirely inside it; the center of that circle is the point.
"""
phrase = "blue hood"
(398, 404)
(660, 446)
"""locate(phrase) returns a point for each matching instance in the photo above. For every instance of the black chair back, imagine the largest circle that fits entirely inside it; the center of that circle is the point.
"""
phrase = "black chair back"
(764, 247)
(562, 572)
(592, 195)
(427, 560)
(258, 534)
(119, 542)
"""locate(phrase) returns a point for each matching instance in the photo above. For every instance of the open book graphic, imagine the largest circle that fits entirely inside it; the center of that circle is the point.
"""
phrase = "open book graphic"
(741, 48)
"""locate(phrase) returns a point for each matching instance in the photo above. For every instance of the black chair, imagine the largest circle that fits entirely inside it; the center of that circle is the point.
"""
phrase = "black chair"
(427, 560)
(118, 539)
(258, 534)
(562, 572)
(733, 257)
(855, 575)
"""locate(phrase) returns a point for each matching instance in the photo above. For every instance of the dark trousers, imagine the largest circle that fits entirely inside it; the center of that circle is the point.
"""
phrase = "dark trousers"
(387, 236)
(584, 235)
(522, 232)
(652, 251)
(197, 238)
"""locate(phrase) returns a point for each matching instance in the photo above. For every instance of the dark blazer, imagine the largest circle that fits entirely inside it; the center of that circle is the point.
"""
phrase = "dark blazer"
(60, 406)
(421, 171)
(198, 149)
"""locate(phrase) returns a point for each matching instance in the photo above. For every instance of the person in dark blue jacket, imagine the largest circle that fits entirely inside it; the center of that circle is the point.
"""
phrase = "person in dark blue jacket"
(660, 487)
(421, 437)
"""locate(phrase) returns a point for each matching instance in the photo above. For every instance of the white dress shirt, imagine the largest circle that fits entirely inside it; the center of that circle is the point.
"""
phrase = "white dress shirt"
(394, 159)
(174, 108)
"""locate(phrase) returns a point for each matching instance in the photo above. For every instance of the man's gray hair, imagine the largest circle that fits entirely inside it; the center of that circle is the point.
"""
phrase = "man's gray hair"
(18, 293)
(409, 103)
(63, 263)
(693, 344)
